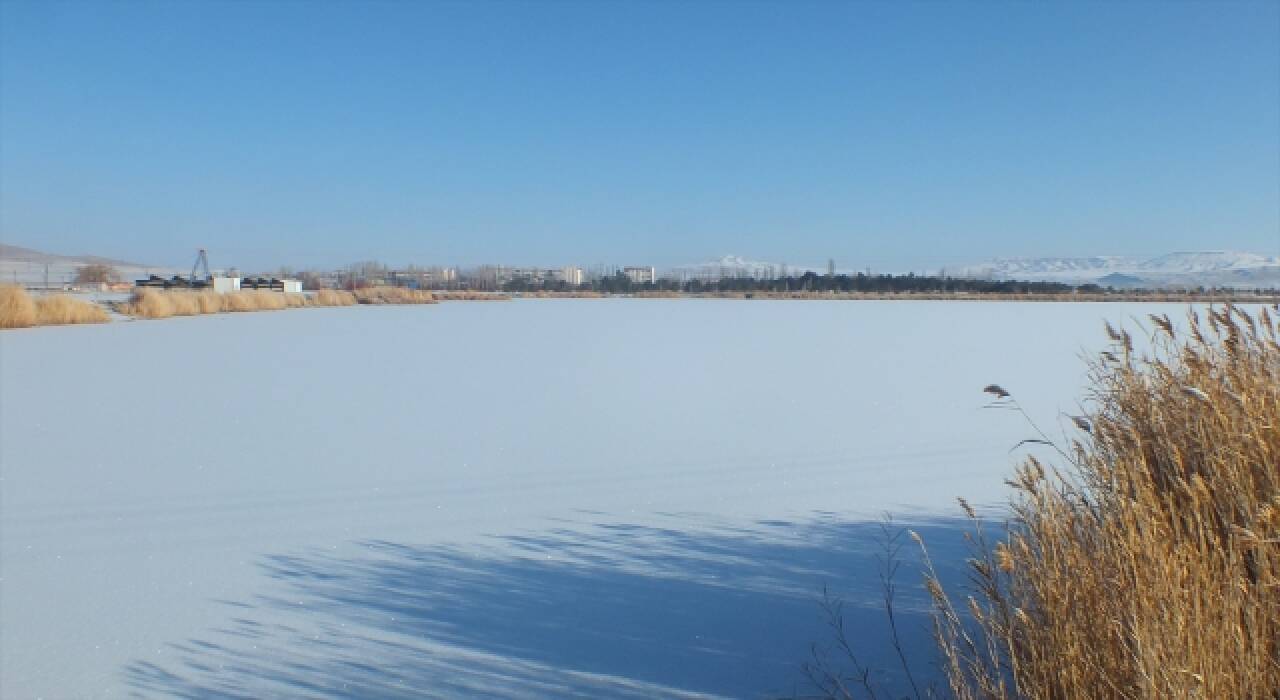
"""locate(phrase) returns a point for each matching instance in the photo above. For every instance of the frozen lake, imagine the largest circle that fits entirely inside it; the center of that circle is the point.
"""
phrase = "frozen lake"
(541, 498)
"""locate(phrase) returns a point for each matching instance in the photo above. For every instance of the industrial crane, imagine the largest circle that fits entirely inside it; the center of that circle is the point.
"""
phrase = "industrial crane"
(202, 263)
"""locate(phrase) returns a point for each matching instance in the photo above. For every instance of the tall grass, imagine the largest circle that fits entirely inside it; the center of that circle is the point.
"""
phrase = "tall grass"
(1147, 565)
(566, 294)
(155, 303)
(62, 309)
(19, 310)
(333, 297)
(254, 301)
(469, 295)
(393, 295)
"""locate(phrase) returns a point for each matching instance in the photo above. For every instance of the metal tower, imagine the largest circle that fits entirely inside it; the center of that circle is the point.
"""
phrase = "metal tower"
(202, 264)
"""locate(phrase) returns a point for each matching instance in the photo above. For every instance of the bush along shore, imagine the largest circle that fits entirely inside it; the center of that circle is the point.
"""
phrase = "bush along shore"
(154, 303)
(1144, 560)
(1147, 563)
(18, 309)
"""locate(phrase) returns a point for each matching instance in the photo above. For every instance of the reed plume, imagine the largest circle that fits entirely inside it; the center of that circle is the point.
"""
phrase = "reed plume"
(1148, 564)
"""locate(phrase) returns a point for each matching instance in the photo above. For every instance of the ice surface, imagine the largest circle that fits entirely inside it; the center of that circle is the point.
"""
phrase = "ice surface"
(592, 498)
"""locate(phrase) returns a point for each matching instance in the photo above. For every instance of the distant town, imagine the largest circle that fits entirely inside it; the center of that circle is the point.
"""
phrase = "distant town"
(1195, 273)
(518, 279)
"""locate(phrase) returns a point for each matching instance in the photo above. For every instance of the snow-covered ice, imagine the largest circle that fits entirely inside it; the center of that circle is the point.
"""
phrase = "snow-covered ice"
(568, 498)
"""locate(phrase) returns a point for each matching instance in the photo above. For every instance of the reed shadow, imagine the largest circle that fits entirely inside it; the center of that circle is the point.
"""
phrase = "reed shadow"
(607, 610)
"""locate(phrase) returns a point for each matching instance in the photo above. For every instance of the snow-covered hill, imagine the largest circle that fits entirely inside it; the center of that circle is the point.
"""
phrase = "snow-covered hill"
(32, 267)
(1207, 262)
(1208, 268)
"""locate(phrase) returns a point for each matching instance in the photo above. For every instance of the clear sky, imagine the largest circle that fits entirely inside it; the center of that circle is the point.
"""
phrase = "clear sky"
(895, 135)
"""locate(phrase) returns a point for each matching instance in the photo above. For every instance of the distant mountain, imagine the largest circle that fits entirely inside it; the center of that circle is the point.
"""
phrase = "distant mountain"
(1207, 268)
(28, 267)
(15, 253)
(1047, 268)
(1120, 280)
(732, 266)
(1207, 262)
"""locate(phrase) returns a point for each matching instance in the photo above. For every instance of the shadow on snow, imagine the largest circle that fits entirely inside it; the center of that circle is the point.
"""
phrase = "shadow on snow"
(608, 610)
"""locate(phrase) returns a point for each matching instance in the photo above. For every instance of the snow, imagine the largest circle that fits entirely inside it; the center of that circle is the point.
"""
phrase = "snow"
(1209, 268)
(1208, 261)
(32, 268)
(568, 498)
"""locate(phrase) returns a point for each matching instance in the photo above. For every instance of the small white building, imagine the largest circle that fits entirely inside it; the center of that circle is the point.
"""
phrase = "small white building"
(223, 285)
(292, 286)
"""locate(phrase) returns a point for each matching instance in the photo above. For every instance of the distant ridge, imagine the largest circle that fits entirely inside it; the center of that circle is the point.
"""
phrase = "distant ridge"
(1185, 268)
(1213, 268)
(27, 266)
(29, 255)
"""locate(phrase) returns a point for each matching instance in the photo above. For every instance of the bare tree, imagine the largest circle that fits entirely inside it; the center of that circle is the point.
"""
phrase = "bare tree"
(96, 274)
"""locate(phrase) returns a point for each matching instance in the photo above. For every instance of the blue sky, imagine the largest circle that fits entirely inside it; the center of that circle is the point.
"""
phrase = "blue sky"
(894, 135)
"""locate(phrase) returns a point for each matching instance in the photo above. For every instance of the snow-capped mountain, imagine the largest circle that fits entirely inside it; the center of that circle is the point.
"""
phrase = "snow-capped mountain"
(1208, 268)
(1047, 268)
(1207, 262)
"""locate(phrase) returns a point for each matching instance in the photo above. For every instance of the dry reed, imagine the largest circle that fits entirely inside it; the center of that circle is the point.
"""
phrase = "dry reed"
(333, 297)
(393, 295)
(61, 309)
(19, 310)
(567, 294)
(253, 301)
(469, 295)
(155, 303)
(1149, 565)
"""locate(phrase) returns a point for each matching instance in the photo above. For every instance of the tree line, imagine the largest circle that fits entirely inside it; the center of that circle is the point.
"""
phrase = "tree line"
(811, 282)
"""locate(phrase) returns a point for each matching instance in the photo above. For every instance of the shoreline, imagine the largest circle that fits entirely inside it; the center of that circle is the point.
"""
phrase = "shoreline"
(117, 310)
(1152, 297)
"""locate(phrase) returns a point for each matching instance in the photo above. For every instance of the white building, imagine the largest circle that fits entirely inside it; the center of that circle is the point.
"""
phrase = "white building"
(572, 275)
(641, 275)
(224, 285)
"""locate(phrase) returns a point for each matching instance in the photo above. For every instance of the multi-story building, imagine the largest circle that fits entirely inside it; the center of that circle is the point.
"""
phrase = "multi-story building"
(571, 275)
(641, 275)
